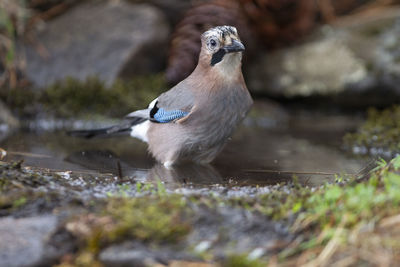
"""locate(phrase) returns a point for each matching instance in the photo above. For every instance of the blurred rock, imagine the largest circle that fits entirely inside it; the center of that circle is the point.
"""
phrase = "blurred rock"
(319, 67)
(23, 240)
(108, 39)
(357, 61)
(173, 9)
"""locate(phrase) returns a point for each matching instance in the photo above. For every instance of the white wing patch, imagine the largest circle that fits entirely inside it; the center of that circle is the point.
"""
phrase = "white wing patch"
(152, 103)
(140, 131)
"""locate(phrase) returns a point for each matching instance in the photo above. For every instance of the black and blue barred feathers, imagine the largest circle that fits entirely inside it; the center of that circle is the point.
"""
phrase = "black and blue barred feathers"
(164, 116)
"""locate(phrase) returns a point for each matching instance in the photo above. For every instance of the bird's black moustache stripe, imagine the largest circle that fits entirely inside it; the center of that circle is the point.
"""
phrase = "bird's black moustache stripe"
(217, 56)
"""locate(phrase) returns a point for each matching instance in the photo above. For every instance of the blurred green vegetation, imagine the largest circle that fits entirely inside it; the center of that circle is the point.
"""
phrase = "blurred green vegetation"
(242, 260)
(350, 217)
(72, 98)
(155, 219)
(381, 131)
(13, 17)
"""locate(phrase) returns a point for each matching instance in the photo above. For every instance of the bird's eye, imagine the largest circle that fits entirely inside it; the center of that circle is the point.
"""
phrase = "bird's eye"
(213, 43)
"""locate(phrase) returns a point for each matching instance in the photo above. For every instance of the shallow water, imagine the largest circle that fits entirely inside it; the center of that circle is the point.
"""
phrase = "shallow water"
(265, 150)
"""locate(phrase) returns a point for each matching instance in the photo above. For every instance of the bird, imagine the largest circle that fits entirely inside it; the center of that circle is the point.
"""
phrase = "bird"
(194, 119)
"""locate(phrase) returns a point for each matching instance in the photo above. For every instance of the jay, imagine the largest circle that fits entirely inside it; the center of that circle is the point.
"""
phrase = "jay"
(193, 120)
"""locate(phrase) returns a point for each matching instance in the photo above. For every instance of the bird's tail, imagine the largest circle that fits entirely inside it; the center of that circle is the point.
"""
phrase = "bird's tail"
(123, 128)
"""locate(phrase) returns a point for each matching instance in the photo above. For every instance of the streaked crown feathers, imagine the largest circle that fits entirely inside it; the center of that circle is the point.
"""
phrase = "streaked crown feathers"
(221, 32)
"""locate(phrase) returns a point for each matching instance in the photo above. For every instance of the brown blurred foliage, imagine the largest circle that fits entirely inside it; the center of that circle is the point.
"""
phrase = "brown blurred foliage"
(279, 22)
(185, 44)
(261, 24)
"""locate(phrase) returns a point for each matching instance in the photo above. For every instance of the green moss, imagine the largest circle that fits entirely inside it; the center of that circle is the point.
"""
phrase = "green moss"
(241, 260)
(72, 97)
(381, 131)
(149, 219)
(21, 99)
(19, 202)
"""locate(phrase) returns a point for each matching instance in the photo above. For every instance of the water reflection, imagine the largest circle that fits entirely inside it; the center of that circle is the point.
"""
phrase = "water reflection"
(186, 174)
(104, 161)
(254, 156)
(108, 162)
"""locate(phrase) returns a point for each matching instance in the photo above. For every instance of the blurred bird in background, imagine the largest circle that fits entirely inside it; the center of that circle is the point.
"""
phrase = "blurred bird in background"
(193, 120)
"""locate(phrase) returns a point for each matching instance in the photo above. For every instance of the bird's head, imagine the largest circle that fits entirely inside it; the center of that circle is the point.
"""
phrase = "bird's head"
(221, 48)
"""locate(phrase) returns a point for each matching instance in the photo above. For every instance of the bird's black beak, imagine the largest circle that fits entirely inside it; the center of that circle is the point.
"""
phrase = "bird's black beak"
(236, 46)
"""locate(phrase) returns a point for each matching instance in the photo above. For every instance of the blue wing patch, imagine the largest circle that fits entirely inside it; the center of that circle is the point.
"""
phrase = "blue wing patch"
(164, 116)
